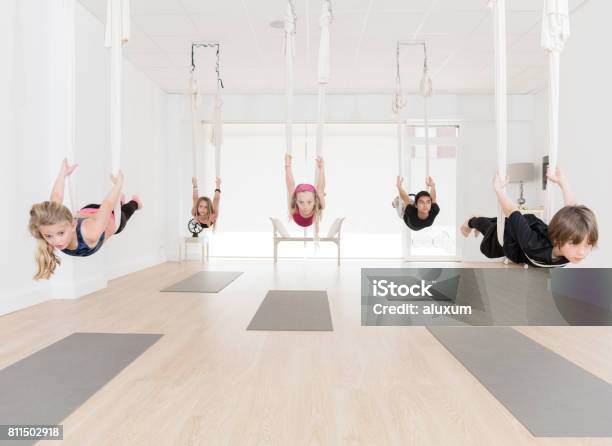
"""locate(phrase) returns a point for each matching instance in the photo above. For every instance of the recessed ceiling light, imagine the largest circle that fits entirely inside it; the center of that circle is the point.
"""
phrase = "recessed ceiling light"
(278, 24)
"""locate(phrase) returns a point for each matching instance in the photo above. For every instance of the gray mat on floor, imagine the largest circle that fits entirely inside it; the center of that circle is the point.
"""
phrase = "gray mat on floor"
(204, 282)
(47, 386)
(286, 310)
(550, 395)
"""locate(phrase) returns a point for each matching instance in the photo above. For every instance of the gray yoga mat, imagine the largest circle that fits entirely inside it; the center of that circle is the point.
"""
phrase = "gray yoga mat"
(204, 282)
(549, 395)
(287, 310)
(47, 386)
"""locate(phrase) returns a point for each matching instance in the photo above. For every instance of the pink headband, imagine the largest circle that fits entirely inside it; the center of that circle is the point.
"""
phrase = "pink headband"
(305, 188)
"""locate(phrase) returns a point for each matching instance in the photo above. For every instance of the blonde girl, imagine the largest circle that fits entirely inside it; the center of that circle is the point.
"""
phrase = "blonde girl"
(305, 201)
(55, 228)
(204, 210)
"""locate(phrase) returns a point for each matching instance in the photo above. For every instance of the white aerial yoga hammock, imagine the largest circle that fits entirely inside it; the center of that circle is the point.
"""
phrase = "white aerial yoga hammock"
(195, 105)
(499, 20)
(290, 19)
(323, 75)
(399, 102)
(216, 135)
(555, 32)
(70, 113)
(117, 32)
(426, 90)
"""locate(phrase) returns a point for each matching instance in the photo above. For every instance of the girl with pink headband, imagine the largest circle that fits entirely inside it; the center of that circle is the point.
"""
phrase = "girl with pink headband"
(305, 201)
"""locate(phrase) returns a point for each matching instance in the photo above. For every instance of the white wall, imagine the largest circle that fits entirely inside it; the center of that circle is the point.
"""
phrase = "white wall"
(34, 144)
(474, 114)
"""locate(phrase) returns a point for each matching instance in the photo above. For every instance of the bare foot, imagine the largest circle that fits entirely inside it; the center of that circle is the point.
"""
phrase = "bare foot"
(136, 198)
(465, 229)
(476, 231)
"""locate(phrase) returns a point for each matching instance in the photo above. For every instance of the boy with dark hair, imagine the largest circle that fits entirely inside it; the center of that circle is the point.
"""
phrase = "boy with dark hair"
(569, 238)
(418, 213)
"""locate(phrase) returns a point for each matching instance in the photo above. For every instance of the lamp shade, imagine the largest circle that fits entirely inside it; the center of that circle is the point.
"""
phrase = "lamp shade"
(521, 172)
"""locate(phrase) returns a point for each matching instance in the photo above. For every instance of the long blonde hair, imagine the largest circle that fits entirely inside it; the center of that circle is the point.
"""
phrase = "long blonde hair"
(42, 214)
(317, 216)
(209, 205)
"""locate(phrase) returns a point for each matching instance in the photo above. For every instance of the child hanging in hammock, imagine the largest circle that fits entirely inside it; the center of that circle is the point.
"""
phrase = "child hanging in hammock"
(569, 238)
(54, 227)
(422, 211)
(204, 210)
(305, 201)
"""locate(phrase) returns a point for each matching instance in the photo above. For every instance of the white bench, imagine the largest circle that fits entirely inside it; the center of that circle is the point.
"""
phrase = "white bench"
(281, 234)
(202, 239)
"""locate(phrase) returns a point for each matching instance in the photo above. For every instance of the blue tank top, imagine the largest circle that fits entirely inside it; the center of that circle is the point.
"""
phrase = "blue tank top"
(82, 250)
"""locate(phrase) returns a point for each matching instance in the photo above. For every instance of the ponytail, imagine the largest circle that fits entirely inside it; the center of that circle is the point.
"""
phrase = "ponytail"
(46, 260)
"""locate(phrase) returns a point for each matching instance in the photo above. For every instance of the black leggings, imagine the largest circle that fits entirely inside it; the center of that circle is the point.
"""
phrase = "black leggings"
(487, 226)
(482, 224)
(127, 210)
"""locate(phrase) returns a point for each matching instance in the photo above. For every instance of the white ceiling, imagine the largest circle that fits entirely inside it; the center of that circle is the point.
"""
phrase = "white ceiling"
(459, 36)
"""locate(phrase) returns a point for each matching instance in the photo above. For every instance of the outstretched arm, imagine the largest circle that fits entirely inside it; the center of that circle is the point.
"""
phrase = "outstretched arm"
(432, 189)
(559, 179)
(289, 180)
(94, 227)
(508, 206)
(195, 194)
(217, 198)
(321, 181)
(402, 193)
(57, 193)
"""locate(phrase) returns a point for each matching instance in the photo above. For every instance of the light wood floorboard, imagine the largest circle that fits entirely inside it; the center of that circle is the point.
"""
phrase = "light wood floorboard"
(209, 381)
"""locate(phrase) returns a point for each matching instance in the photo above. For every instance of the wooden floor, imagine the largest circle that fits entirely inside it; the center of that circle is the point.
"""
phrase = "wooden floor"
(208, 381)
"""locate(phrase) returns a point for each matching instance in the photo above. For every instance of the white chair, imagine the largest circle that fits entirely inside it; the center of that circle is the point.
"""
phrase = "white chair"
(281, 234)
(202, 239)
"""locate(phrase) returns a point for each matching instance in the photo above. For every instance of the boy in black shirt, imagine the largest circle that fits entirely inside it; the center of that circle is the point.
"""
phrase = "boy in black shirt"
(422, 211)
(569, 238)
